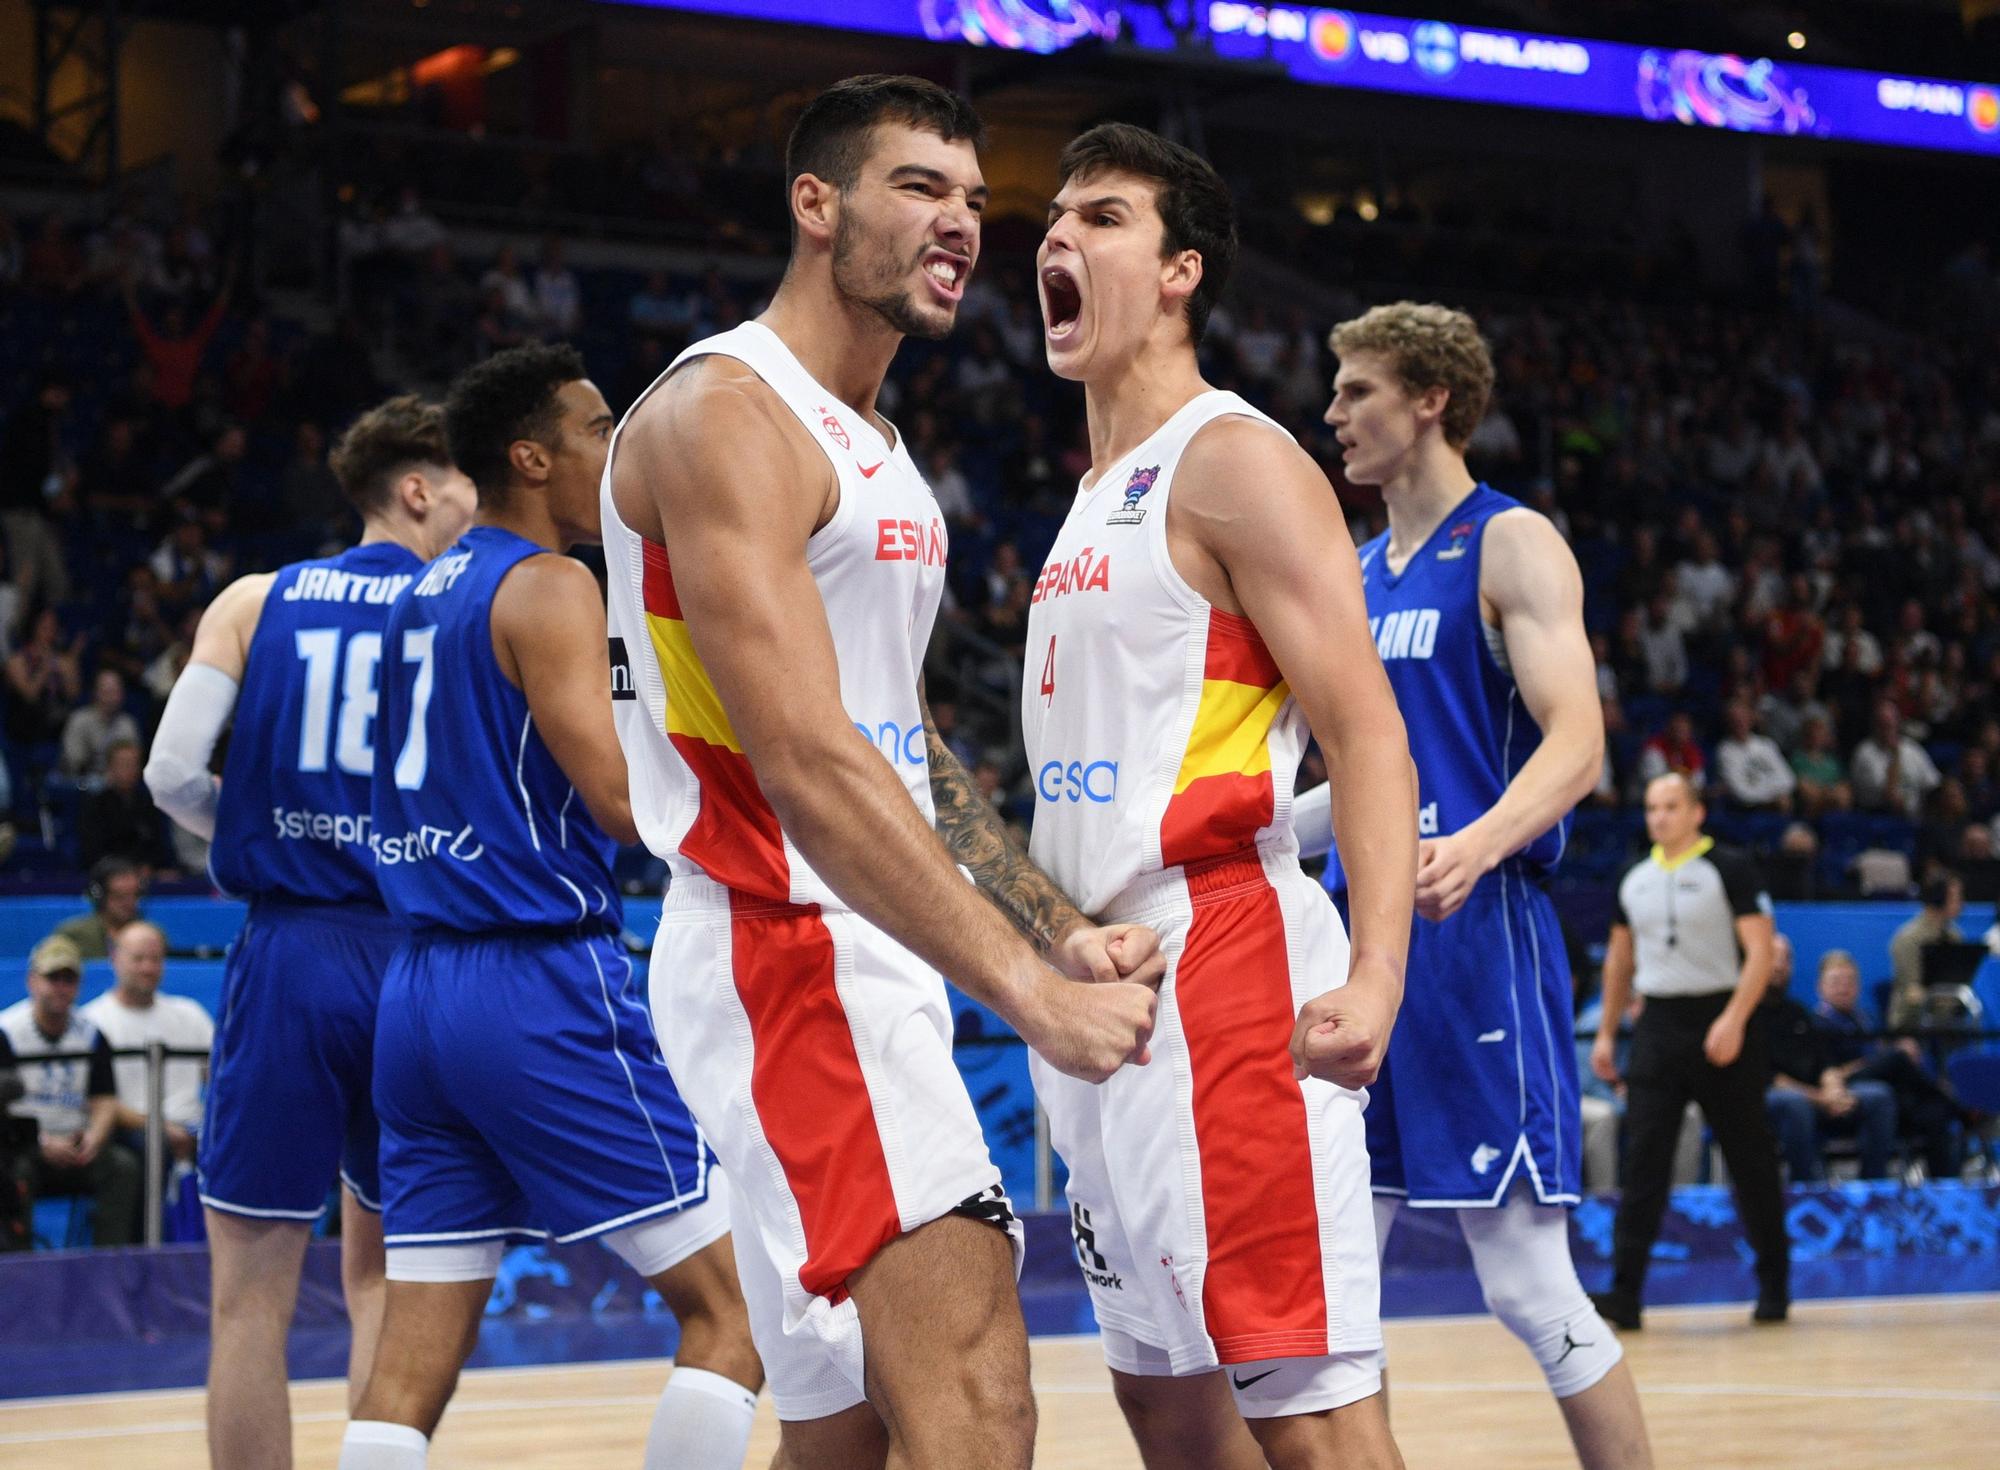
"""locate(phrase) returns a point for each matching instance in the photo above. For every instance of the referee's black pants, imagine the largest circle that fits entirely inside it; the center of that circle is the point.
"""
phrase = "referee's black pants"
(1668, 1069)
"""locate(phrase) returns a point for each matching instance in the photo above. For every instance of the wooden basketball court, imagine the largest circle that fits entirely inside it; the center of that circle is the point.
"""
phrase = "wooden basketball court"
(1878, 1384)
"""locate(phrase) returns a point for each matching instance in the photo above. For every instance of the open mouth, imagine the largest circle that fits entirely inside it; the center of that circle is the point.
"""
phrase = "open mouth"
(947, 273)
(1062, 302)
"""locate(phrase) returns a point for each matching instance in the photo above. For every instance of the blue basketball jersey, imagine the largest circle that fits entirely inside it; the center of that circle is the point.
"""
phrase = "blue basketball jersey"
(1469, 732)
(476, 826)
(293, 817)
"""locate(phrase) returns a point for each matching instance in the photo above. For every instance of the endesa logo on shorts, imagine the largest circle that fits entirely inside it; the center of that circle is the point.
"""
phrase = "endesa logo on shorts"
(1080, 781)
(910, 541)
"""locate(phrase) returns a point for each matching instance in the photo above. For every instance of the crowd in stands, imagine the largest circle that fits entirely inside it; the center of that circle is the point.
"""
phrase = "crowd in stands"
(1783, 523)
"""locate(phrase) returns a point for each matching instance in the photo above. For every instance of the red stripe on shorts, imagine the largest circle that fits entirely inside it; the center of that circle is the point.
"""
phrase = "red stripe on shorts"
(811, 1098)
(1264, 1295)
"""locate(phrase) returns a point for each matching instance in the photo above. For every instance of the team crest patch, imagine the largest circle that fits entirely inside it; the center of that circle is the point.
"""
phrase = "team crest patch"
(835, 430)
(1460, 534)
(1131, 512)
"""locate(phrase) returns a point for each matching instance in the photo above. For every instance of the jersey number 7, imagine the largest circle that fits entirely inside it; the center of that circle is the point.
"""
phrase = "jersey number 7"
(351, 681)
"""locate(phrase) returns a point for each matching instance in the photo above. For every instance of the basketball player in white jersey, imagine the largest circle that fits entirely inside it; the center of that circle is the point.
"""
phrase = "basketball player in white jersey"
(775, 563)
(1479, 609)
(1200, 610)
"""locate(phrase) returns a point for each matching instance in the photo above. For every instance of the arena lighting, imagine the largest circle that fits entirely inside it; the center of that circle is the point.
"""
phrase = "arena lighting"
(1796, 40)
(1465, 63)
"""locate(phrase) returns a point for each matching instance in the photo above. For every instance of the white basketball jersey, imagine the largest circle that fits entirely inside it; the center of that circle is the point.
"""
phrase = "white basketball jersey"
(879, 564)
(1159, 732)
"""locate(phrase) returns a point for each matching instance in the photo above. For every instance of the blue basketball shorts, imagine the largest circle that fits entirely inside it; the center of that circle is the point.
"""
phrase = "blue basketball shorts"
(523, 1095)
(1480, 1084)
(290, 1079)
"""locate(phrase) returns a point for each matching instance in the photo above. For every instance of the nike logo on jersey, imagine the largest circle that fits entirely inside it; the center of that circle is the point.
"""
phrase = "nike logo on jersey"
(868, 470)
(1241, 1382)
(1407, 633)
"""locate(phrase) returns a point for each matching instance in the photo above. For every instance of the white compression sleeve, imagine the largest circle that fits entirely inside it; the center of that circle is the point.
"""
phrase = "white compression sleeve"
(1312, 820)
(1520, 1251)
(177, 771)
(702, 1423)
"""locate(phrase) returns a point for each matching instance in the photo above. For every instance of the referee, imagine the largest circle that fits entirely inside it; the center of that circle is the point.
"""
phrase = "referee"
(1700, 923)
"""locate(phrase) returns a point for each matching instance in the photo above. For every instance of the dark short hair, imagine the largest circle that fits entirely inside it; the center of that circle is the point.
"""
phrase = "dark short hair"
(830, 139)
(509, 397)
(383, 444)
(1196, 212)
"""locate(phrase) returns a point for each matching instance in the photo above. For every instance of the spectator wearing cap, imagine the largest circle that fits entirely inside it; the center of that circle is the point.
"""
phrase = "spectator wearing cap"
(132, 1015)
(65, 1064)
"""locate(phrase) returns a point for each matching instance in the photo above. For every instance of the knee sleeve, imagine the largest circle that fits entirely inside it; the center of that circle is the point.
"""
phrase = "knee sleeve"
(469, 1260)
(1521, 1252)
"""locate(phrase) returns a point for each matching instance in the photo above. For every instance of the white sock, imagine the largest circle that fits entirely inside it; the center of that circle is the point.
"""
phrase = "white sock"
(703, 1423)
(374, 1444)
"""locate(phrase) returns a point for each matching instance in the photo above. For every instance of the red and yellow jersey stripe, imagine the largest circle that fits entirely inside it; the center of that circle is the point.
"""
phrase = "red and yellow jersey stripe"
(735, 837)
(1223, 794)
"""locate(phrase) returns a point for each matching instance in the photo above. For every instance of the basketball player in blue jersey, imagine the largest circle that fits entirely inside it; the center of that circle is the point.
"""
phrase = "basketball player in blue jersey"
(517, 1074)
(294, 656)
(1476, 604)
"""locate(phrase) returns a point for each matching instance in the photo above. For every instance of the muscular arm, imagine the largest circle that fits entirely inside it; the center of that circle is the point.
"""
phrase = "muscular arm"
(1528, 577)
(716, 461)
(549, 638)
(980, 843)
(201, 703)
(1290, 565)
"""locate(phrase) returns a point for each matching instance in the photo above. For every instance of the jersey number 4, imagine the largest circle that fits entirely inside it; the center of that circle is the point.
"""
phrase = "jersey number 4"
(1049, 675)
(351, 682)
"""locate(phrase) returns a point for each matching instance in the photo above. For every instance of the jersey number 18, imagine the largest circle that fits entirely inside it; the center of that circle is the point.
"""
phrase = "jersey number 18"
(348, 733)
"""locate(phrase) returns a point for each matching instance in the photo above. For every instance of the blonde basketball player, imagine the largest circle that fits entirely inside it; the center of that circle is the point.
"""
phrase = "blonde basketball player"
(1201, 608)
(776, 562)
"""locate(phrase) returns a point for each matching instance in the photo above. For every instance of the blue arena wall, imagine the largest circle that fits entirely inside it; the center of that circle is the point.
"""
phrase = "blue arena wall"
(96, 1321)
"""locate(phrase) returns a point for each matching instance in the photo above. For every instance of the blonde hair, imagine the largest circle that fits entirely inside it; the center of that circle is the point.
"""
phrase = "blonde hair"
(1427, 346)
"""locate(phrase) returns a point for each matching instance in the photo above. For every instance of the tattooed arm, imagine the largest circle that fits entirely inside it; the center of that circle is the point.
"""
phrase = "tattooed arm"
(980, 843)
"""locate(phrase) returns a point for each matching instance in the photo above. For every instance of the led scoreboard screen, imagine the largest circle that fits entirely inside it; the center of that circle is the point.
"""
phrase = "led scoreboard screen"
(1434, 58)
